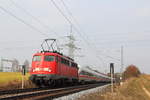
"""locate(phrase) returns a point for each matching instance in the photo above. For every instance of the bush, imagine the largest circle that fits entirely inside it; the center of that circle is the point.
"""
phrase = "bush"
(131, 71)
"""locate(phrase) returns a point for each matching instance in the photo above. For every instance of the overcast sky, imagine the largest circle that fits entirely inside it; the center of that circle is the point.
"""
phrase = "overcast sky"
(104, 25)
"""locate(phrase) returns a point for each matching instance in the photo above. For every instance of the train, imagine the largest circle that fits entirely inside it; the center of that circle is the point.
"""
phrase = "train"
(51, 68)
(88, 75)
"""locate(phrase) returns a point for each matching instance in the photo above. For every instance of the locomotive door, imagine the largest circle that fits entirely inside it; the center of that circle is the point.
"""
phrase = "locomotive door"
(58, 65)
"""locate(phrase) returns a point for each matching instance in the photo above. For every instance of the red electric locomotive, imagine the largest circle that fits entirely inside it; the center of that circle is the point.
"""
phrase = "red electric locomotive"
(51, 67)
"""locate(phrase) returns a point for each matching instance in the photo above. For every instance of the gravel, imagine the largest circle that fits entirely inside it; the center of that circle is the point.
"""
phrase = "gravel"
(75, 96)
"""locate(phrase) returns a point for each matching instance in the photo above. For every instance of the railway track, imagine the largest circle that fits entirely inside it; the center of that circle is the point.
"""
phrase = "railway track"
(16, 91)
(42, 94)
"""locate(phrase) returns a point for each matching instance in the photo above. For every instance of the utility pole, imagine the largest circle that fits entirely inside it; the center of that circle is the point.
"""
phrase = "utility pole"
(121, 69)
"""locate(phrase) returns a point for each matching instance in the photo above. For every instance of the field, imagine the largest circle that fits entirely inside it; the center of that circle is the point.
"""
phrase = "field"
(11, 80)
(132, 89)
(6, 77)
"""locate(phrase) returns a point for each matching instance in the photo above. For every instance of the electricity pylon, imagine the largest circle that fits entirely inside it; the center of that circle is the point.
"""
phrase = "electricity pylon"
(71, 45)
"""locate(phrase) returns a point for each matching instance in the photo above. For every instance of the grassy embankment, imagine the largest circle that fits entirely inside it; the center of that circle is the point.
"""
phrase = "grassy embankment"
(12, 80)
(132, 89)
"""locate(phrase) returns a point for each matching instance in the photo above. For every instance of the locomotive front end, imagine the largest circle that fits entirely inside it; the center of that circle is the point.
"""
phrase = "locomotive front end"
(43, 68)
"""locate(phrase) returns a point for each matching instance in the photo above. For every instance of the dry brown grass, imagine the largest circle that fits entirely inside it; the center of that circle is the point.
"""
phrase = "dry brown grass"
(15, 84)
(132, 89)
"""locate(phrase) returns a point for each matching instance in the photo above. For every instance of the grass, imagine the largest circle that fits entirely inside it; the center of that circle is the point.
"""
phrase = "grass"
(6, 77)
(13, 80)
(132, 89)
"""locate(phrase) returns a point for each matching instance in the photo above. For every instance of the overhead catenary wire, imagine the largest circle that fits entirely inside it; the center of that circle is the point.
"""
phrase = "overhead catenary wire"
(74, 26)
(34, 28)
(22, 21)
(74, 19)
(69, 12)
(70, 22)
(35, 18)
(76, 29)
(80, 33)
(61, 12)
(32, 16)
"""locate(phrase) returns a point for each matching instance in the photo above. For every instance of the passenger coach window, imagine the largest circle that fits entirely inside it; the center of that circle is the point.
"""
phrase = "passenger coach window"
(37, 58)
(49, 58)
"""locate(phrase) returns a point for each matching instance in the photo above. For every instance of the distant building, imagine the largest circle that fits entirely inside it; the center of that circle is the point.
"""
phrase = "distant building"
(8, 65)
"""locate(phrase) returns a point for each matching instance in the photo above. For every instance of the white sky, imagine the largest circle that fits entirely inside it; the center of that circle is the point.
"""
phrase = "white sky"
(108, 24)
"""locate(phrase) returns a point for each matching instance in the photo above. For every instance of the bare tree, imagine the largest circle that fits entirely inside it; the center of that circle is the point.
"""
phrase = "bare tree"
(15, 65)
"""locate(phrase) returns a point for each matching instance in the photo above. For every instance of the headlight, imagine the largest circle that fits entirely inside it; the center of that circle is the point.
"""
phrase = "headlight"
(37, 69)
(41, 69)
(46, 69)
(33, 70)
(49, 70)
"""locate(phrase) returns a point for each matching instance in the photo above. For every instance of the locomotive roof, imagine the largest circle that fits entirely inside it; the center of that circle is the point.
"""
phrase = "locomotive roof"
(54, 53)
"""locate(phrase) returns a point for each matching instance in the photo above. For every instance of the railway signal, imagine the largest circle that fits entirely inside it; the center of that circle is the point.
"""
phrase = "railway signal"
(112, 75)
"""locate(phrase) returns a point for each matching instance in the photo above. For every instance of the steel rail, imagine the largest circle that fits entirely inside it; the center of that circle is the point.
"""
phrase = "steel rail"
(52, 92)
(66, 92)
(15, 91)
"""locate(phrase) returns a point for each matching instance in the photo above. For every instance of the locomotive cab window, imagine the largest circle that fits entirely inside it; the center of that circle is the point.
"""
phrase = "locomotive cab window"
(65, 61)
(37, 58)
(49, 58)
(74, 65)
